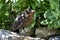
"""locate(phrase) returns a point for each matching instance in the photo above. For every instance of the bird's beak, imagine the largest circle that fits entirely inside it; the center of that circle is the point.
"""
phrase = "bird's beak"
(33, 11)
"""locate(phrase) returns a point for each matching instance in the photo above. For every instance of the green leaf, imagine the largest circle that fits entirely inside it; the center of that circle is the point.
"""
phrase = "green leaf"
(54, 4)
(50, 15)
(55, 24)
(44, 22)
(6, 14)
(58, 22)
(1, 5)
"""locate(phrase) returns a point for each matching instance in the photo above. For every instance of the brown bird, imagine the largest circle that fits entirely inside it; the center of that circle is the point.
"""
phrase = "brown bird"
(24, 19)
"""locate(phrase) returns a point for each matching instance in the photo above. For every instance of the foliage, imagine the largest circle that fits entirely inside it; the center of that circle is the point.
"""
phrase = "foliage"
(47, 12)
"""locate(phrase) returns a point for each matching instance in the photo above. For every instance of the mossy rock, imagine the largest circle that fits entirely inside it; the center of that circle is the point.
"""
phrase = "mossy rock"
(43, 32)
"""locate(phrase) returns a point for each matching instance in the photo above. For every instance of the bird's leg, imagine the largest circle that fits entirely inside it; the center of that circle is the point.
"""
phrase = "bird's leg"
(17, 31)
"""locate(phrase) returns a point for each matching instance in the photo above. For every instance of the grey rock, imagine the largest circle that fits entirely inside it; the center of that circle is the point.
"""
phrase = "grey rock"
(54, 38)
(31, 38)
(8, 35)
(43, 32)
(26, 31)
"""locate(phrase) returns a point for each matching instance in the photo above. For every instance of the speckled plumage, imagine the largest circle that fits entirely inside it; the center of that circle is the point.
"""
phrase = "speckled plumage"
(23, 20)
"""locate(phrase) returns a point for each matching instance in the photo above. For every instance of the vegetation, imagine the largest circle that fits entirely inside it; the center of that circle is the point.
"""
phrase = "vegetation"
(47, 12)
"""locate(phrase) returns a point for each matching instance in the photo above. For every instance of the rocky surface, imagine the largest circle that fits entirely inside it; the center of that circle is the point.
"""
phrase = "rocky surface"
(26, 31)
(40, 33)
(45, 32)
(8, 35)
(54, 38)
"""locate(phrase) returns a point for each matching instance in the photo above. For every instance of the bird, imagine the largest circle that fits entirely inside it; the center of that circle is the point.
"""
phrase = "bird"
(24, 19)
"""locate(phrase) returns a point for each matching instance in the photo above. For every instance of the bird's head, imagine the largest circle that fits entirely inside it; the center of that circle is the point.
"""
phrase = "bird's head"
(29, 10)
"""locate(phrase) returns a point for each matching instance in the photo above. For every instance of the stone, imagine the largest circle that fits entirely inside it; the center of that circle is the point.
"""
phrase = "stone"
(44, 32)
(54, 38)
(8, 35)
(26, 31)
